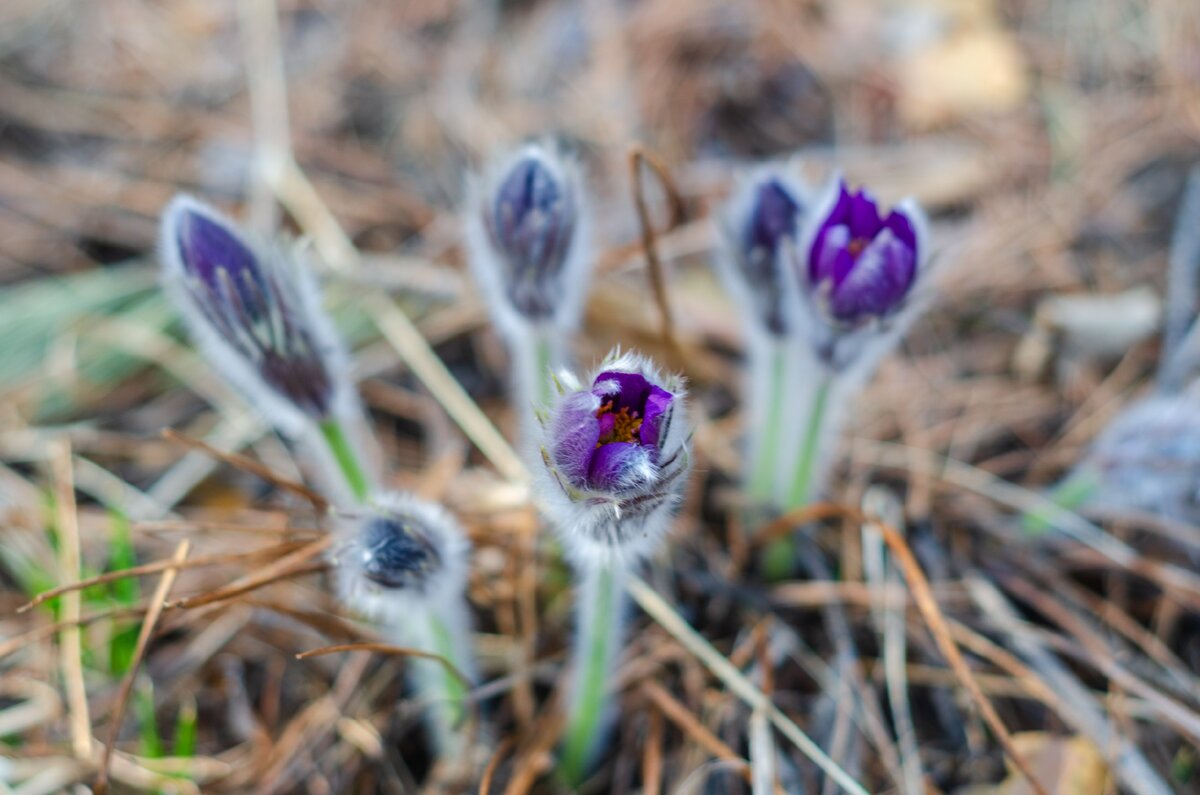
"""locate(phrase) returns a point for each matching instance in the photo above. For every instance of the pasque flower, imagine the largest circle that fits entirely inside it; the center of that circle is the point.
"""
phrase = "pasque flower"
(526, 232)
(402, 563)
(859, 270)
(616, 455)
(763, 216)
(255, 313)
(400, 553)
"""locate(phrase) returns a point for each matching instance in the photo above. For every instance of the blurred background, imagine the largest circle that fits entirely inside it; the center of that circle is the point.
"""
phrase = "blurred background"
(1049, 141)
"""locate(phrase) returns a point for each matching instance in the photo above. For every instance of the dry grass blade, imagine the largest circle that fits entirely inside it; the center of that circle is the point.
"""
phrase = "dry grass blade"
(157, 602)
(160, 565)
(290, 565)
(489, 772)
(1074, 703)
(928, 606)
(20, 641)
(658, 283)
(387, 648)
(652, 755)
(658, 609)
(690, 725)
(247, 464)
(71, 650)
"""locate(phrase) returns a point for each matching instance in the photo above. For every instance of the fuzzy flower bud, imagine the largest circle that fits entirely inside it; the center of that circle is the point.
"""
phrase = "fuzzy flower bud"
(616, 454)
(858, 271)
(403, 554)
(525, 232)
(254, 313)
(761, 219)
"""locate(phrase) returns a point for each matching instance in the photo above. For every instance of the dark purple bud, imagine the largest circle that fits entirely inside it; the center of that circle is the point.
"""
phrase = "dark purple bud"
(764, 213)
(531, 219)
(248, 305)
(862, 264)
(395, 554)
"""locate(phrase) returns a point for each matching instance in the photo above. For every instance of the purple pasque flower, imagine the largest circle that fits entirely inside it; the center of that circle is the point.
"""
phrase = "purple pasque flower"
(763, 216)
(862, 264)
(253, 312)
(525, 231)
(616, 452)
(402, 554)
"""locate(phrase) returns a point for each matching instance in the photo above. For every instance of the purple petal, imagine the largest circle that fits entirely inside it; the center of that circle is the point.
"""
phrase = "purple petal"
(629, 393)
(619, 465)
(206, 246)
(574, 434)
(879, 281)
(831, 261)
(902, 227)
(657, 404)
(864, 215)
(773, 218)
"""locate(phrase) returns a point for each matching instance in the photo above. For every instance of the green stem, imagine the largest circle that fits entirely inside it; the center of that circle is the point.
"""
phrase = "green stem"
(584, 722)
(347, 460)
(454, 691)
(541, 376)
(1069, 494)
(780, 555)
(766, 443)
(802, 480)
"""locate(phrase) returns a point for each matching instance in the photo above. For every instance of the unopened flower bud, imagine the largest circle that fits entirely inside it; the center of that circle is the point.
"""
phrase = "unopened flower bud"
(254, 313)
(403, 552)
(762, 218)
(526, 237)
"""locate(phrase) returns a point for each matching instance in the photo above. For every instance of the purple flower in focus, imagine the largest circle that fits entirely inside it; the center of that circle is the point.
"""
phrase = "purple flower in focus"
(254, 315)
(526, 236)
(862, 264)
(617, 452)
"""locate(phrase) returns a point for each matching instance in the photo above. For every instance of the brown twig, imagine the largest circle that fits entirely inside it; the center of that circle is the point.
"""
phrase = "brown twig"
(489, 772)
(160, 565)
(387, 648)
(290, 565)
(157, 603)
(638, 157)
(923, 595)
(249, 465)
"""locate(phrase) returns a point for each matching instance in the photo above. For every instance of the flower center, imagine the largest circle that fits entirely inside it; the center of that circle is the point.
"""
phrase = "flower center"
(625, 424)
(856, 246)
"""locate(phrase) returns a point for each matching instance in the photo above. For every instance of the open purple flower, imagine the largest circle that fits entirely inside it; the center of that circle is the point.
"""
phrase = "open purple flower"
(862, 264)
(530, 210)
(617, 453)
(254, 314)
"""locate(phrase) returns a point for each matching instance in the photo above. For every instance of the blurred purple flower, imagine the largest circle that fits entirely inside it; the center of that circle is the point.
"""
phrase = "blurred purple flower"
(618, 452)
(771, 213)
(862, 265)
(253, 315)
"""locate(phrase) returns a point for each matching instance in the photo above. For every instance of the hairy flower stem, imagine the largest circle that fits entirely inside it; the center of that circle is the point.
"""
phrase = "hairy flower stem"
(601, 602)
(535, 352)
(780, 555)
(438, 683)
(764, 444)
(347, 460)
(435, 631)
